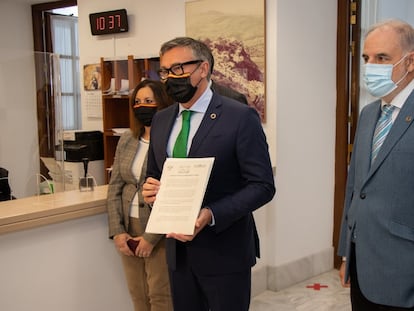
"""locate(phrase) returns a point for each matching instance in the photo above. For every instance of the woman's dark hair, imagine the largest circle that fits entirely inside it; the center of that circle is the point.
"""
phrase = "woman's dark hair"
(160, 96)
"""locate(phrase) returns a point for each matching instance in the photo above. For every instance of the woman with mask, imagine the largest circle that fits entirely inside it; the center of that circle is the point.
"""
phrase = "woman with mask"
(143, 254)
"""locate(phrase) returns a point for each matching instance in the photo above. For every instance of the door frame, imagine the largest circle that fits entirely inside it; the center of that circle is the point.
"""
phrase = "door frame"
(347, 102)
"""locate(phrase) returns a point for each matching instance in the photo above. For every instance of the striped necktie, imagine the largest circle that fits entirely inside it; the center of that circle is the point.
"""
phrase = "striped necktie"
(381, 130)
(180, 146)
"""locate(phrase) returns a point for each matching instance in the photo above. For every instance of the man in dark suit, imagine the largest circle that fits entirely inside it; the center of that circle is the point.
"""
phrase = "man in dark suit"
(224, 90)
(228, 92)
(377, 235)
(211, 269)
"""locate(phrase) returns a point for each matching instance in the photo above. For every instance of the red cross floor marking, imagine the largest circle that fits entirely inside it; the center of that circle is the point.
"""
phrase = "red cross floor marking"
(317, 286)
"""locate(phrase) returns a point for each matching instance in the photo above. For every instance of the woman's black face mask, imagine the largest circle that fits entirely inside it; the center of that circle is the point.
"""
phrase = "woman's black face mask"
(145, 114)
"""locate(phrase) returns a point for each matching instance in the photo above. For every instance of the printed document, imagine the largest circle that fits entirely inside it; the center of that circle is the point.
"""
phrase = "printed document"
(183, 185)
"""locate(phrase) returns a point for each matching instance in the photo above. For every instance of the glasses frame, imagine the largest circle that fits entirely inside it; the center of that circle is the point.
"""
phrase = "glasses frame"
(176, 69)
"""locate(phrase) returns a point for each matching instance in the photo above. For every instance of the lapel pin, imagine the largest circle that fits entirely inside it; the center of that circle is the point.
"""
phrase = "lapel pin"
(408, 118)
(213, 116)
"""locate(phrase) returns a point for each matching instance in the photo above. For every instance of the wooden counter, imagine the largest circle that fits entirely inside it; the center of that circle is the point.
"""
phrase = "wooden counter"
(41, 210)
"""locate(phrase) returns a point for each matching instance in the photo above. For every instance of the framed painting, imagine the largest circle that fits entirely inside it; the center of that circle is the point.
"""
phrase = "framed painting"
(235, 32)
(92, 77)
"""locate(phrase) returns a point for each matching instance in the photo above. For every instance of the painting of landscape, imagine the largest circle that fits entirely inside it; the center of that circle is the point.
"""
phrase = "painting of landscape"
(235, 31)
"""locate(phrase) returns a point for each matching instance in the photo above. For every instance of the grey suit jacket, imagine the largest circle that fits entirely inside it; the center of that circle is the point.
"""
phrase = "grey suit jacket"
(379, 209)
(122, 188)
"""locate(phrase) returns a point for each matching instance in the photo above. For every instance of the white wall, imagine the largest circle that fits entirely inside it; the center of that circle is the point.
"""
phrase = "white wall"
(302, 221)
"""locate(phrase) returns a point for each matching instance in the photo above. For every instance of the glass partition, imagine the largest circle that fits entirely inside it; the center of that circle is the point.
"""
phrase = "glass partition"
(31, 125)
(51, 176)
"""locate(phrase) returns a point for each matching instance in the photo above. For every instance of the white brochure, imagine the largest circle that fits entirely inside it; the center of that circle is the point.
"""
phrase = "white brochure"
(183, 185)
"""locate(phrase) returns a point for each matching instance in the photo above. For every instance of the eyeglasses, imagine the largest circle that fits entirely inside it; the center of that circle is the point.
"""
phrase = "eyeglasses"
(176, 69)
(146, 103)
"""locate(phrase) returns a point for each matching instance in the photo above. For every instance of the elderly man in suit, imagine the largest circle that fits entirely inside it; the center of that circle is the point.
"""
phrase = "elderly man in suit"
(377, 235)
(211, 269)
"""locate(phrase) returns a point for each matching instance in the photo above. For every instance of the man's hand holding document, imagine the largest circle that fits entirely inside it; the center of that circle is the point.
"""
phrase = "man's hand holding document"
(183, 185)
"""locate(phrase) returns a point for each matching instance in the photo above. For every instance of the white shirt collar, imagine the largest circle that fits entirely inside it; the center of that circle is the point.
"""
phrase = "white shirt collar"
(402, 96)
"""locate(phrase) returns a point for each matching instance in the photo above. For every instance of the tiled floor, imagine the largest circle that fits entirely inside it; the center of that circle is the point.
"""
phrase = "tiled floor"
(327, 294)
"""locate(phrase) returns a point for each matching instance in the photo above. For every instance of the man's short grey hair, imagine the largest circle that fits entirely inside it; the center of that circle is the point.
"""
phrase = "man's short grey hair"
(200, 49)
(404, 30)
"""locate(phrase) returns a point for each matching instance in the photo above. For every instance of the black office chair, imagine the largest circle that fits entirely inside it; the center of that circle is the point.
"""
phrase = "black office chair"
(5, 191)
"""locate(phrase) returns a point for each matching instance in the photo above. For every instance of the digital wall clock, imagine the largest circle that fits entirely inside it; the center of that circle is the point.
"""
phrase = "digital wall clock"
(108, 22)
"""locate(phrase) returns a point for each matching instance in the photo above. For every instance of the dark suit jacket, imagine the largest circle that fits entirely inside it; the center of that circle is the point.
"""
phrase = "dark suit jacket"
(241, 181)
(379, 209)
(228, 92)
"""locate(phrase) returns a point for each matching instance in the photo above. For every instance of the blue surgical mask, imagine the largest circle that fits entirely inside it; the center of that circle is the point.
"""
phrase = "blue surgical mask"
(377, 78)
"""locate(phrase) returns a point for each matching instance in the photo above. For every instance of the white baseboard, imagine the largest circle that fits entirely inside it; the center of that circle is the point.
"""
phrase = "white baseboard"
(277, 278)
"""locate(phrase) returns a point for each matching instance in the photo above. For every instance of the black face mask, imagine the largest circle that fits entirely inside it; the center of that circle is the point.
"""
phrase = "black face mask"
(145, 114)
(180, 89)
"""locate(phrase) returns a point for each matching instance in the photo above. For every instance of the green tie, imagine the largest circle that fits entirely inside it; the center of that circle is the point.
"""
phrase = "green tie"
(180, 147)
